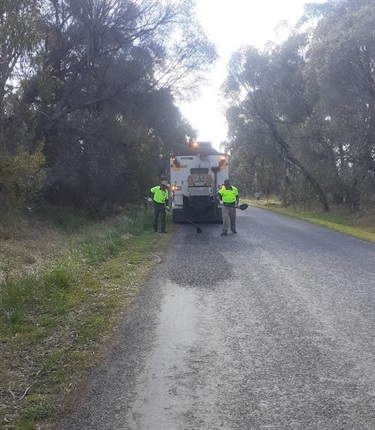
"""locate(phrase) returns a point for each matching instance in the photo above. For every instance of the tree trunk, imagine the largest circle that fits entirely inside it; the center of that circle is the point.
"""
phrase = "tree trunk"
(265, 117)
(285, 146)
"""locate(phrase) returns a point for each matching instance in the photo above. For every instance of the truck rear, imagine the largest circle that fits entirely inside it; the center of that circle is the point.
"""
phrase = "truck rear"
(197, 172)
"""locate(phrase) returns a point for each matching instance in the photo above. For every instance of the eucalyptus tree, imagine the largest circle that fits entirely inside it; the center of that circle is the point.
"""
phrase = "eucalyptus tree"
(18, 35)
(102, 59)
(21, 172)
(256, 164)
(341, 76)
(97, 50)
(268, 90)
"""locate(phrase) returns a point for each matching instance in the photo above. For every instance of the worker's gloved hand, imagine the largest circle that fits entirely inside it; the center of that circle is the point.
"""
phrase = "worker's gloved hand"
(149, 199)
(168, 208)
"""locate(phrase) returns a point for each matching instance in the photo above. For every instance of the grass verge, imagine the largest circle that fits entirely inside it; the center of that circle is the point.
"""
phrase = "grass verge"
(360, 224)
(55, 319)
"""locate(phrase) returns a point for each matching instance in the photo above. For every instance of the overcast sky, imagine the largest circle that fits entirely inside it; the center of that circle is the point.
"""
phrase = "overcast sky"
(231, 24)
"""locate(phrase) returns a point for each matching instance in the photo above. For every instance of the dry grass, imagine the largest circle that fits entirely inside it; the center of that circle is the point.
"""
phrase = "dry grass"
(37, 243)
(32, 250)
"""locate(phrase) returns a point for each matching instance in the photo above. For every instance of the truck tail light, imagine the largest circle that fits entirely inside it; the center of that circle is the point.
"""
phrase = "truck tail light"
(175, 188)
(222, 162)
(175, 163)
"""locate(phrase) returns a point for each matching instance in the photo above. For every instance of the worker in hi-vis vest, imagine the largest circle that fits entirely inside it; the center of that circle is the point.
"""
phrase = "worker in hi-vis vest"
(228, 194)
(160, 196)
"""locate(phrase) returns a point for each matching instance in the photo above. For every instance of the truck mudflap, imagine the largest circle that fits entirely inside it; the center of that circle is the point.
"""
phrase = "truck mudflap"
(211, 215)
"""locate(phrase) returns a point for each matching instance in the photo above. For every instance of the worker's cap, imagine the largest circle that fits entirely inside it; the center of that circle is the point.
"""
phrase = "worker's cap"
(226, 181)
(165, 183)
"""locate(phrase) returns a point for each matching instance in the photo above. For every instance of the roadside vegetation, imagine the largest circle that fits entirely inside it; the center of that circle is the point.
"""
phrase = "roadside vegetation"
(64, 285)
(360, 224)
(301, 111)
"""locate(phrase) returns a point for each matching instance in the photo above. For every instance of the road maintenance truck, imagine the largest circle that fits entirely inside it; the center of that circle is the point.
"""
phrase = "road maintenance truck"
(197, 172)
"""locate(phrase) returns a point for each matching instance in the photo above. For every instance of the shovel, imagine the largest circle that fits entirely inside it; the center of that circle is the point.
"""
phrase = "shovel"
(243, 206)
(199, 230)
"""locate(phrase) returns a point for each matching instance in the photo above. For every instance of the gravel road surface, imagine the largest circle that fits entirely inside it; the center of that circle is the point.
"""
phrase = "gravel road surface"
(270, 328)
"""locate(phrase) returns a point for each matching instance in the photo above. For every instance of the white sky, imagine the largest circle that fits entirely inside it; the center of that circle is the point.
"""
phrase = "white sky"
(231, 24)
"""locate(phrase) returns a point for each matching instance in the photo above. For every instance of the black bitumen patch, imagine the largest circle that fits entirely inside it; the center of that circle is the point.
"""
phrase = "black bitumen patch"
(201, 264)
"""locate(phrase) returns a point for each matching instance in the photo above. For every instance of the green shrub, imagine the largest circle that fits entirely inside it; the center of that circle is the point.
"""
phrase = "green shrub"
(21, 177)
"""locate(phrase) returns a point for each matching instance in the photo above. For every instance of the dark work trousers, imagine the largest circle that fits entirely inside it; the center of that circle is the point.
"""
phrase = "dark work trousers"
(229, 218)
(159, 209)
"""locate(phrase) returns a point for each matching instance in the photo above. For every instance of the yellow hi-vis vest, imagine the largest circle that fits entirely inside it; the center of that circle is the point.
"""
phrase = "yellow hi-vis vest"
(228, 196)
(160, 196)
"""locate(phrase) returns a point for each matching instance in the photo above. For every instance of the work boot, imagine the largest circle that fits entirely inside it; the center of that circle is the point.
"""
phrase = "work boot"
(164, 231)
(224, 233)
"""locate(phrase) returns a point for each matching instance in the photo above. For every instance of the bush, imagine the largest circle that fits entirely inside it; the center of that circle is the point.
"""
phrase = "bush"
(21, 177)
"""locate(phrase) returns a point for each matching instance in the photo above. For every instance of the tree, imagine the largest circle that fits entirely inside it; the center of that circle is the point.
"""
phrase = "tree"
(21, 172)
(341, 77)
(268, 90)
(255, 164)
(106, 63)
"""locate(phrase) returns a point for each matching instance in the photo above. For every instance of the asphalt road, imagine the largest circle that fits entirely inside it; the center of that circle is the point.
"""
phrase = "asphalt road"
(272, 328)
